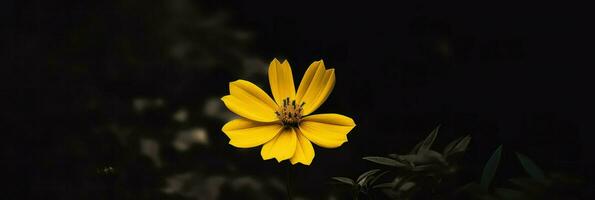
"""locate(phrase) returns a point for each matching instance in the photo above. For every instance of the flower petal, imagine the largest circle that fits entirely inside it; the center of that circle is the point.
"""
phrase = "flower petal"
(282, 147)
(244, 133)
(249, 101)
(327, 130)
(247, 90)
(281, 80)
(304, 151)
(315, 87)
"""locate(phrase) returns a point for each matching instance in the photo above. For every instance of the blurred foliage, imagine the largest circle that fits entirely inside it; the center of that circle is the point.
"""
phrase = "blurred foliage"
(537, 186)
(169, 113)
(422, 173)
(425, 173)
(131, 90)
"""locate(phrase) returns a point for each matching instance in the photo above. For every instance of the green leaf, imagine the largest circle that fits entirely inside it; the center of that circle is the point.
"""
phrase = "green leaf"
(427, 167)
(429, 141)
(461, 145)
(407, 186)
(416, 148)
(490, 169)
(450, 146)
(384, 161)
(411, 158)
(365, 175)
(531, 168)
(431, 157)
(391, 184)
(457, 146)
(424, 157)
(384, 185)
(377, 177)
(345, 180)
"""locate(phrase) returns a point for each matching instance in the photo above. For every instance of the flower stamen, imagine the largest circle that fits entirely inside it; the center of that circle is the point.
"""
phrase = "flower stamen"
(290, 114)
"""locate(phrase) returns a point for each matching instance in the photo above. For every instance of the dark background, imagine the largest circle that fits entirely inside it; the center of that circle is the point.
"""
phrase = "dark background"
(91, 85)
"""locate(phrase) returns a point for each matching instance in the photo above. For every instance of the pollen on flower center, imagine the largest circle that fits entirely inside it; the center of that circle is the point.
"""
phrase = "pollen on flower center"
(289, 113)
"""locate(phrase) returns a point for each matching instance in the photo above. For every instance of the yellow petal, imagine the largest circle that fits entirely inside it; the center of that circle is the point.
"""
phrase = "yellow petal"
(306, 80)
(327, 130)
(304, 151)
(315, 87)
(244, 133)
(247, 110)
(247, 90)
(281, 80)
(282, 147)
(249, 101)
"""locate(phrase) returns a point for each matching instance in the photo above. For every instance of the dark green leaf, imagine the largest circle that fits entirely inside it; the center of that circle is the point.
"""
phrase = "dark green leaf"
(429, 141)
(431, 157)
(384, 185)
(392, 184)
(461, 145)
(407, 186)
(411, 158)
(384, 161)
(450, 146)
(427, 167)
(344, 180)
(365, 175)
(424, 157)
(416, 148)
(490, 169)
(531, 168)
(377, 177)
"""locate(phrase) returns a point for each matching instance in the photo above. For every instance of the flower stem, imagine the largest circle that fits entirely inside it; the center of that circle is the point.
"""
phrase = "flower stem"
(288, 173)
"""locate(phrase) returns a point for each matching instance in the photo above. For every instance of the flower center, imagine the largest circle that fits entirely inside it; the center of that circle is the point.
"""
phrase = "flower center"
(290, 114)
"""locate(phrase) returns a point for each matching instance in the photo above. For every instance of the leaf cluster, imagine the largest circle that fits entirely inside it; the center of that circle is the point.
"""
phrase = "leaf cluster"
(537, 186)
(421, 168)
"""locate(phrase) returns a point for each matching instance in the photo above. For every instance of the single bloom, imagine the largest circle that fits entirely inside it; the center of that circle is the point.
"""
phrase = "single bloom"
(284, 125)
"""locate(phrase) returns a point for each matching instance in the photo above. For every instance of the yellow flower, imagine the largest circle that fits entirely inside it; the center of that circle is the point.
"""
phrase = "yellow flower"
(283, 125)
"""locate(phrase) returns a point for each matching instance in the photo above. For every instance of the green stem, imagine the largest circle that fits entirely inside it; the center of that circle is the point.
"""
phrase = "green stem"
(288, 181)
(355, 193)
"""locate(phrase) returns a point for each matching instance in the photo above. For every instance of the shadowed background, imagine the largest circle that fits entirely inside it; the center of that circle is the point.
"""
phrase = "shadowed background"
(120, 99)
